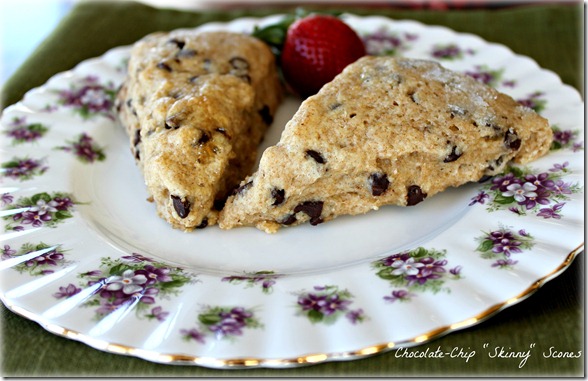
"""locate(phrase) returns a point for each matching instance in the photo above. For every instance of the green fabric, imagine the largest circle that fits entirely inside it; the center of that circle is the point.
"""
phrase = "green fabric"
(552, 317)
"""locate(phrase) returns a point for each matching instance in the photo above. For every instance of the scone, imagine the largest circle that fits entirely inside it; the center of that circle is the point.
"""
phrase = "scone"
(385, 131)
(195, 106)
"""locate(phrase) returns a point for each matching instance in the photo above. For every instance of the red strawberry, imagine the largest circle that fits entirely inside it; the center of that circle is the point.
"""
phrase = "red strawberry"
(317, 48)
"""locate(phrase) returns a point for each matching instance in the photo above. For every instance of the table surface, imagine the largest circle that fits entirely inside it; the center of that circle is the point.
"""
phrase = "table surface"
(552, 317)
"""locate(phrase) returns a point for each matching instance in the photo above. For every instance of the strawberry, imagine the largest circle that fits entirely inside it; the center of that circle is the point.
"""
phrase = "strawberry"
(314, 50)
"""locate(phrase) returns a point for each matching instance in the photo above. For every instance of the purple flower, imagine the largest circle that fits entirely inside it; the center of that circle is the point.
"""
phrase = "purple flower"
(226, 327)
(422, 278)
(560, 167)
(193, 334)
(501, 183)
(334, 303)
(107, 307)
(147, 296)
(482, 75)
(447, 52)
(47, 259)
(238, 314)
(480, 198)
(35, 219)
(561, 188)
(389, 261)
(432, 266)
(66, 292)
(507, 247)
(563, 137)
(552, 212)
(159, 313)
(311, 302)
(128, 282)
(6, 199)
(456, 270)
(398, 295)
(541, 180)
(154, 274)
(524, 233)
(500, 235)
(7, 252)
(355, 316)
(504, 263)
(542, 198)
(62, 203)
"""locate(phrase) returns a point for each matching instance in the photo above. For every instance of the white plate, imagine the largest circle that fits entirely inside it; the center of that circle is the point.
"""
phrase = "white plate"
(85, 256)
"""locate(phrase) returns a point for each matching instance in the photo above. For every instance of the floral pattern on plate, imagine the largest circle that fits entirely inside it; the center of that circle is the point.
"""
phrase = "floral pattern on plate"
(503, 244)
(326, 304)
(88, 98)
(221, 323)
(19, 131)
(41, 209)
(416, 271)
(39, 259)
(84, 149)
(131, 281)
(522, 191)
(22, 168)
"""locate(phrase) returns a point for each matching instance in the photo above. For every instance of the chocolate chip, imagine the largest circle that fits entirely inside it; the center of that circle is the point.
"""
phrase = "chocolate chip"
(219, 204)
(493, 164)
(334, 106)
(178, 43)
(453, 156)
(182, 207)
(379, 183)
(193, 78)
(173, 121)
(129, 102)
(203, 223)
(205, 137)
(288, 220)
(414, 195)
(496, 128)
(266, 115)
(242, 188)
(278, 195)
(484, 178)
(316, 156)
(511, 139)
(311, 208)
(137, 138)
(164, 66)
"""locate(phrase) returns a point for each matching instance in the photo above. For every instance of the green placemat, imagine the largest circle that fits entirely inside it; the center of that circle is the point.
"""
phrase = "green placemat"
(551, 319)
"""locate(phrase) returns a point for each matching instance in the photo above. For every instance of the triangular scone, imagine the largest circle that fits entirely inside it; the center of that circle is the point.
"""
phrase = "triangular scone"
(195, 106)
(385, 131)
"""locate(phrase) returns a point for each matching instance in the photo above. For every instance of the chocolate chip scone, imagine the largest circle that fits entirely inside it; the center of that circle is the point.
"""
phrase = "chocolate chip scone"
(195, 106)
(385, 131)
